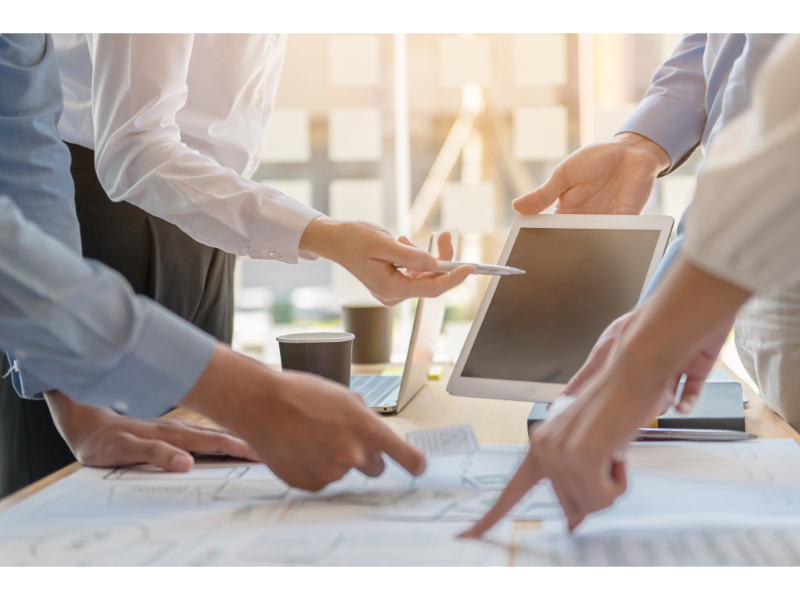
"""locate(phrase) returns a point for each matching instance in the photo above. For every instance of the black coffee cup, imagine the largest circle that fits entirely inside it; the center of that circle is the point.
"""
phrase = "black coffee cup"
(327, 354)
(372, 326)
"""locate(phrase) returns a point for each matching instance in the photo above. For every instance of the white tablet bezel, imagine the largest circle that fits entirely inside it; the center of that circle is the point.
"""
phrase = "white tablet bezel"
(532, 391)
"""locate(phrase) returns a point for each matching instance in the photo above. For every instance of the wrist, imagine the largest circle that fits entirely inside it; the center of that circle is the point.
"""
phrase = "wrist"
(647, 148)
(73, 420)
(227, 388)
(320, 237)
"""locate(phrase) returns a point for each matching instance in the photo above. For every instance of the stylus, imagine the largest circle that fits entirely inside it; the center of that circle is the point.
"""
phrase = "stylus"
(446, 266)
(693, 435)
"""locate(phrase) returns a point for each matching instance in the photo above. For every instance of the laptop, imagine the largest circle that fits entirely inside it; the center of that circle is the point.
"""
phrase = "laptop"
(390, 393)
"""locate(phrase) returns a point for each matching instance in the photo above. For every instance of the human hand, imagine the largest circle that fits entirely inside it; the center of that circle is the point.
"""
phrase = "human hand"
(308, 430)
(613, 177)
(696, 370)
(679, 330)
(99, 437)
(370, 253)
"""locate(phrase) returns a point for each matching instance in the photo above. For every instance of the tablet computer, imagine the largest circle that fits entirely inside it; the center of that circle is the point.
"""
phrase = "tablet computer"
(533, 332)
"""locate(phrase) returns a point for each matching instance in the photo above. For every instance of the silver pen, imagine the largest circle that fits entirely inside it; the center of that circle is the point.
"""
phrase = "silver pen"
(446, 266)
(692, 435)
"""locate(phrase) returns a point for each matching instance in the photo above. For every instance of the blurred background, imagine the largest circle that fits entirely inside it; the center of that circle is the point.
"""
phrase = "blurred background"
(426, 132)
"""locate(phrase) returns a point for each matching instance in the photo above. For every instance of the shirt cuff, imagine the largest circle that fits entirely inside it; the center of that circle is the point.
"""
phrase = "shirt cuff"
(27, 385)
(670, 123)
(278, 229)
(163, 365)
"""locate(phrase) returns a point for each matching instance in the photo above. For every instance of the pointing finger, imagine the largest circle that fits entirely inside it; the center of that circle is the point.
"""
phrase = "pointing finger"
(524, 479)
(407, 456)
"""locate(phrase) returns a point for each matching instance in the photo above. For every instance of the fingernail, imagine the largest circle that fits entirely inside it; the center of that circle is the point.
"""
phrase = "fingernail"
(181, 462)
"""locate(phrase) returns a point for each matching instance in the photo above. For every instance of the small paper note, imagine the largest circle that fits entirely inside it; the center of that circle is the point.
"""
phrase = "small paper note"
(441, 442)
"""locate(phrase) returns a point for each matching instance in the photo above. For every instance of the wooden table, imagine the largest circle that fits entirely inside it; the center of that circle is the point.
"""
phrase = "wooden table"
(494, 421)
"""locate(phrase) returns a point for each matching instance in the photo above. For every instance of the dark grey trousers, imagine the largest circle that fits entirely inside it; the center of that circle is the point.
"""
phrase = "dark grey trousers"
(161, 262)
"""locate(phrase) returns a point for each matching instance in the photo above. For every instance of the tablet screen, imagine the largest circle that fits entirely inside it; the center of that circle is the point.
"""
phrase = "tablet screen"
(541, 326)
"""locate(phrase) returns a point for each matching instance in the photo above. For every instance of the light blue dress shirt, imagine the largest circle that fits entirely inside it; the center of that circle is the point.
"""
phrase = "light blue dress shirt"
(69, 323)
(702, 86)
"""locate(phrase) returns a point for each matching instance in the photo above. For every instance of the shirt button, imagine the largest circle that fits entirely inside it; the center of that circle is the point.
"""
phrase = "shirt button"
(250, 164)
(256, 100)
(274, 255)
(274, 37)
(121, 406)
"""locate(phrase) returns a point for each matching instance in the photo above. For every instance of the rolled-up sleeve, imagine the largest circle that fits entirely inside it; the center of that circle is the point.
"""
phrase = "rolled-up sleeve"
(139, 84)
(672, 112)
(77, 326)
(745, 219)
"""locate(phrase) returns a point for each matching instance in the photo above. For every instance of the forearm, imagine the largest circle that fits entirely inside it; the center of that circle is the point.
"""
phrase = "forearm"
(218, 395)
(688, 308)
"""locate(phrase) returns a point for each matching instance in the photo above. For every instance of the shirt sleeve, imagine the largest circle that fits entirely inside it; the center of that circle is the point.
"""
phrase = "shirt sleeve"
(672, 112)
(34, 162)
(77, 326)
(745, 219)
(139, 84)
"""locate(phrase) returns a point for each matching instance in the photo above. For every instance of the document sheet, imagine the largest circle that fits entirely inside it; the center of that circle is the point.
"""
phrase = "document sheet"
(730, 503)
(449, 440)
(229, 512)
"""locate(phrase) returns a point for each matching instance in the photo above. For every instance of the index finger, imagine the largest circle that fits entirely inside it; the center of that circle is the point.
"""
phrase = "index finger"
(405, 255)
(445, 246)
(429, 287)
(407, 456)
(524, 479)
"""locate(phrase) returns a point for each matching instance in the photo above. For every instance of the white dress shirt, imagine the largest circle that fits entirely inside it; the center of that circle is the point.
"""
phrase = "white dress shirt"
(177, 124)
(744, 225)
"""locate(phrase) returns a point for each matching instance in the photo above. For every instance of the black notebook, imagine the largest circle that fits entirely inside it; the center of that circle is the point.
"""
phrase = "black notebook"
(720, 406)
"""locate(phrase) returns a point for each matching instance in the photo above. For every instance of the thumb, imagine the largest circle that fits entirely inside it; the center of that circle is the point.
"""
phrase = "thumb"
(542, 197)
(404, 255)
(690, 394)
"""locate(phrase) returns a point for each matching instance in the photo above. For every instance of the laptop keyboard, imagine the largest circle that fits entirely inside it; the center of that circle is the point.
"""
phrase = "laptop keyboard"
(376, 389)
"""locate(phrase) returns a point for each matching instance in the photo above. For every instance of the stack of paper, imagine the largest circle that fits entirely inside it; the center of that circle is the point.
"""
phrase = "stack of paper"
(687, 503)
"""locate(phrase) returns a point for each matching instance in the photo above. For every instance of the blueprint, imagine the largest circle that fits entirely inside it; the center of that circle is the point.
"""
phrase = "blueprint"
(744, 545)
(230, 512)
